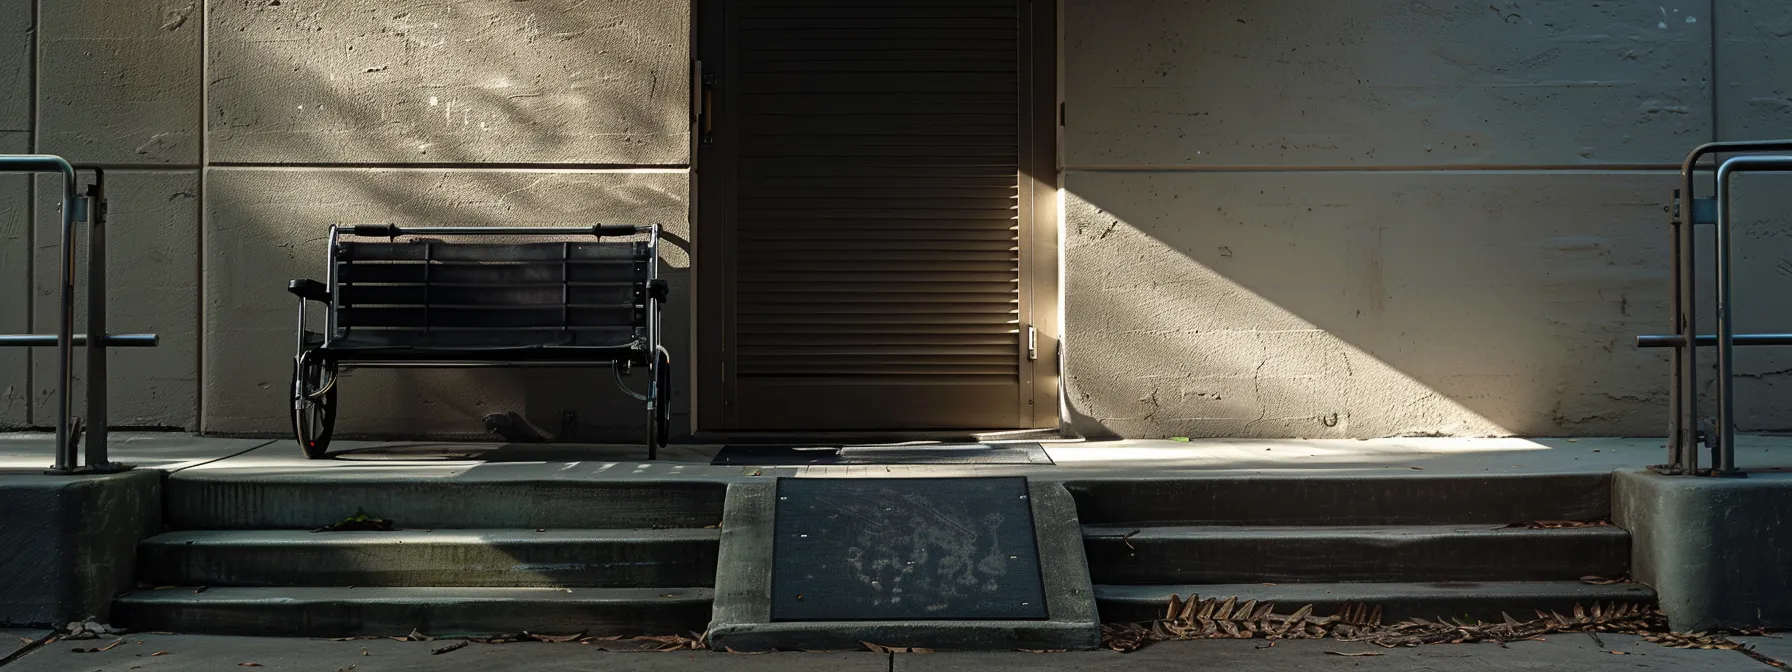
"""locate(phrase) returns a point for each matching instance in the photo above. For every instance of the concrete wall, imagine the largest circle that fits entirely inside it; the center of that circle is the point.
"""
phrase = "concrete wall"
(1387, 217)
(238, 132)
(1379, 217)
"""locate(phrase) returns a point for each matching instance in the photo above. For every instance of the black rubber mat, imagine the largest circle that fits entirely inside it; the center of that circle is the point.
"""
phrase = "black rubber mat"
(972, 453)
(888, 549)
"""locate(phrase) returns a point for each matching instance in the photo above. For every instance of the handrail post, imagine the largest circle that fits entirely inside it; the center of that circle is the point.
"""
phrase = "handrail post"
(66, 457)
(96, 323)
(1724, 462)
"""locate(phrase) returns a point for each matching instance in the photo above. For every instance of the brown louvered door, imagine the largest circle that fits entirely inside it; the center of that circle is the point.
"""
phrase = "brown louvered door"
(876, 215)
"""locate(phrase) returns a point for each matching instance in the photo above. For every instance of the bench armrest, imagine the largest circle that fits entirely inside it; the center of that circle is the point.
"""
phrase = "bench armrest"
(309, 289)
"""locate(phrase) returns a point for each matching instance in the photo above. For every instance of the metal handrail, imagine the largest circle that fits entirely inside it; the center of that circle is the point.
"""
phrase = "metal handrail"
(65, 340)
(1683, 426)
(1684, 434)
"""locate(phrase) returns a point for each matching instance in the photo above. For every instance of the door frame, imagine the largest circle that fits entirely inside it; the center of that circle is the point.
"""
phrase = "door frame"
(713, 160)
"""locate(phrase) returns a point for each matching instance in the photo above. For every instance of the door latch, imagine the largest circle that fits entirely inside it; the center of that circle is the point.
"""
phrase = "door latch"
(1032, 343)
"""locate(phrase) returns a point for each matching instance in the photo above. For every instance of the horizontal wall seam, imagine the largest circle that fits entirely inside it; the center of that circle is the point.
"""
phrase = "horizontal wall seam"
(496, 167)
(1616, 167)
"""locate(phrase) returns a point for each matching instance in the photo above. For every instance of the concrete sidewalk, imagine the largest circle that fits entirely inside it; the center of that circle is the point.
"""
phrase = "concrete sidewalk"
(30, 453)
(191, 653)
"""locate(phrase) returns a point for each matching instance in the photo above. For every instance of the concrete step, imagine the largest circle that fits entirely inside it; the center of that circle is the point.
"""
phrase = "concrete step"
(344, 612)
(1483, 601)
(1126, 554)
(1401, 497)
(223, 499)
(515, 558)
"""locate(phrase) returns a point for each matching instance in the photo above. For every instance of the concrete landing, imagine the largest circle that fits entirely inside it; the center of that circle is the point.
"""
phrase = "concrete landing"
(27, 452)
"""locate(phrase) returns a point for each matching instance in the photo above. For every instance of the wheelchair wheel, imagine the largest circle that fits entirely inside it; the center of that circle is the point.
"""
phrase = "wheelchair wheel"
(659, 421)
(314, 406)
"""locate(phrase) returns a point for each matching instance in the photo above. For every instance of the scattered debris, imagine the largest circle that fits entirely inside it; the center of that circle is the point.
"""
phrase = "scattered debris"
(1691, 640)
(360, 522)
(159, 653)
(248, 664)
(107, 647)
(88, 630)
(879, 648)
(1559, 524)
(1127, 539)
(1604, 580)
(414, 637)
(451, 647)
(1353, 654)
(1212, 618)
(555, 639)
(645, 643)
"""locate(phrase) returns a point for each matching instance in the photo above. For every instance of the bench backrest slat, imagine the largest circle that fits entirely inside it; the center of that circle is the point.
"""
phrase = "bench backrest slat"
(433, 292)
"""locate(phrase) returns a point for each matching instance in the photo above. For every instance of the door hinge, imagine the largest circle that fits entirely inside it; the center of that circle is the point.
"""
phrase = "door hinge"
(1032, 343)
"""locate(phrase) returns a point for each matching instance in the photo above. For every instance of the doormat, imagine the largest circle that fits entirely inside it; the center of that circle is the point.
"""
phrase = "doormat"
(904, 549)
(964, 453)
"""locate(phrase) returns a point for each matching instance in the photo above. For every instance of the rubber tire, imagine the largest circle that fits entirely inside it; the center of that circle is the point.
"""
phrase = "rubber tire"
(659, 420)
(663, 409)
(314, 422)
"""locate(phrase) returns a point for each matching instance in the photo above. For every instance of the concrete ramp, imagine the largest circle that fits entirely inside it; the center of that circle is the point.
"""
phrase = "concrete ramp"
(937, 563)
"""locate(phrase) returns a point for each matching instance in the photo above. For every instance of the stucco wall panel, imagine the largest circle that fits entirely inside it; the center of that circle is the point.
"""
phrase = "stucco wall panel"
(1385, 82)
(15, 65)
(152, 286)
(1357, 304)
(266, 226)
(119, 81)
(1754, 53)
(375, 81)
(15, 285)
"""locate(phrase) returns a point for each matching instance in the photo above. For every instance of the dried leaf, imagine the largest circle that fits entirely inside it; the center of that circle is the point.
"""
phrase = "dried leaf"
(1174, 610)
(248, 664)
(1602, 580)
(1353, 654)
(1296, 619)
(1225, 610)
(1509, 619)
(554, 639)
(451, 647)
(1245, 610)
(1188, 608)
(1207, 608)
(111, 646)
(159, 653)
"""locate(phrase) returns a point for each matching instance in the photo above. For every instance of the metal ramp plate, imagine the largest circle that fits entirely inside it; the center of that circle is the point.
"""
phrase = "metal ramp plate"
(905, 549)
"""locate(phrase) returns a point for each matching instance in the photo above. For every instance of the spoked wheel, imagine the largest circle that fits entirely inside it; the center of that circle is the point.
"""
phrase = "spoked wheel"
(659, 420)
(314, 405)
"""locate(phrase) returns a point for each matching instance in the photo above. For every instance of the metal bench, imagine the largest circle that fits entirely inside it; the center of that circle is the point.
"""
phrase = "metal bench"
(426, 297)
